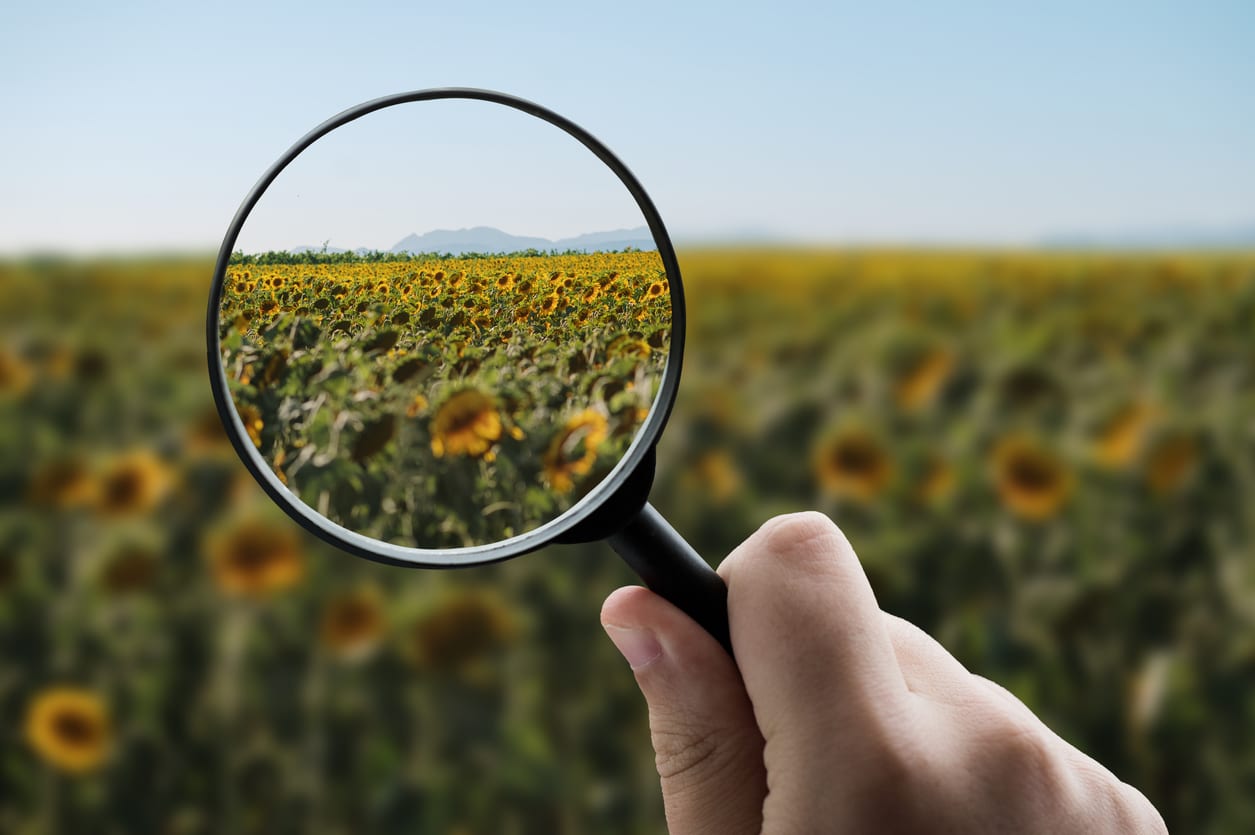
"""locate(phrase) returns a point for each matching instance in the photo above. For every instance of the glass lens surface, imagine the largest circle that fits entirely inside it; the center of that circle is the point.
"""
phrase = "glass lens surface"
(444, 323)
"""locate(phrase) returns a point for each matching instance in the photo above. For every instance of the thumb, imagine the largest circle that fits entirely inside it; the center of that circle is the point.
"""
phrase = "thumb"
(708, 749)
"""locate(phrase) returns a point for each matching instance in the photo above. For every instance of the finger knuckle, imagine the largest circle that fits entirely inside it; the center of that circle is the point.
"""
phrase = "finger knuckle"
(1021, 754)
(681, 752)
(795, 537)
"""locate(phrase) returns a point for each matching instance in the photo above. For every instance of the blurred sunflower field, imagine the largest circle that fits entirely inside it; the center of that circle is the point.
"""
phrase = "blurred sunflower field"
(1045, 460)
(438, 403)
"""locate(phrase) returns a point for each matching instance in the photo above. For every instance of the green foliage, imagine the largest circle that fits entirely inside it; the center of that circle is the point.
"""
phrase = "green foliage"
(1099, 566)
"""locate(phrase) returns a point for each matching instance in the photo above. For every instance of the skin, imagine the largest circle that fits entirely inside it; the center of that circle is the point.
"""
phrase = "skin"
(842, 718)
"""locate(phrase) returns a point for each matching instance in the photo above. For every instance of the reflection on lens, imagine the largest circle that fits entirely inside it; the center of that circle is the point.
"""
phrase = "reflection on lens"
(440, 402)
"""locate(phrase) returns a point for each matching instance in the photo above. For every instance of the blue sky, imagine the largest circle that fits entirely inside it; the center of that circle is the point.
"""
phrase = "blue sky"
(140, 126)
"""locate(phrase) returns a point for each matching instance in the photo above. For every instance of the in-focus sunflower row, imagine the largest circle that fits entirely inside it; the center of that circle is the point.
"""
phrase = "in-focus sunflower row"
(445, 402)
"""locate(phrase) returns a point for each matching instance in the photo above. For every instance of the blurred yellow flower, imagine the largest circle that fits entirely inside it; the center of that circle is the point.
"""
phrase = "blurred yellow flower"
(628, 346)
(937, 481)
(64, 482)
(15, 374)
(251, 418)
(70, 728)
(853, 463)
(922, 381)
(573, 451)
(718, 474)
(133, 483)
(466, 424)
(1031, 480)
(464, 626)
(256, 558)
(353, 623)
(1120, 441)
(417, 406)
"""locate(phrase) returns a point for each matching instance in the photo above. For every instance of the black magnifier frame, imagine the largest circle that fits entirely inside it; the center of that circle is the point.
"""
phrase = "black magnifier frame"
(616, 509)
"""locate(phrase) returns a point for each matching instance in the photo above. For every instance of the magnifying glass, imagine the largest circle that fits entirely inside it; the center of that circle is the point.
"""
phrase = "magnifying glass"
(446, 329)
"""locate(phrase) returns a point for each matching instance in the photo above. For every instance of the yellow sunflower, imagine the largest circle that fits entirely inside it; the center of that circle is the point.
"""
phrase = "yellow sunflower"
(468, 423)
(256, 558)
(719, 475)
(922, 381)
(352, 624)
(1120, 441)
(937, 481)
(462, 628)
(70, 728)
(253, 424)
(853, 463)
(63, 482)
(15, 374)
(573, 451)
(1031, 480)
(132, 484)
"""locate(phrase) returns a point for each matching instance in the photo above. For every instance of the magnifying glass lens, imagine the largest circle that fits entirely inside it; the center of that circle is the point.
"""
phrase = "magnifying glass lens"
(444, 324)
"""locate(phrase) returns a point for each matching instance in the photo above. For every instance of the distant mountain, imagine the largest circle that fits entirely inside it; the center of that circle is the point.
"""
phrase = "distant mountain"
(488, 239)
(1167, 237)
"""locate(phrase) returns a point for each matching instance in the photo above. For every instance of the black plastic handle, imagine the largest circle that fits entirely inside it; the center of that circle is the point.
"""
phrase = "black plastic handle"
(671, 568)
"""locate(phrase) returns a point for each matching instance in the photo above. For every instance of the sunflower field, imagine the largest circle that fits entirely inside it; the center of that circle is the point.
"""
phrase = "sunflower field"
(438, 403)
(1046, 460)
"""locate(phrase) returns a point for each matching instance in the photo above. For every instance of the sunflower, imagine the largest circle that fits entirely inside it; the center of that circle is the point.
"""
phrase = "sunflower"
(468, 423)
(573, 451)
(719, 475)
(937, 481)
(853, 463)
(922, 381)
(352, 624)
(417, 406)
(655, 290)
(549, 304)
(70, 728)
(628, 346)
(462, 628)
(1120, 440)
(15, 374)
(250, 416)
(1031, 480)
(63, 482)
(256, 558)
(132, 484)
(1171, 463)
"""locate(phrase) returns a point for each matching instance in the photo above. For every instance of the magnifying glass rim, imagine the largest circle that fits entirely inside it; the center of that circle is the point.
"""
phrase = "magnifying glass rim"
(387, 552)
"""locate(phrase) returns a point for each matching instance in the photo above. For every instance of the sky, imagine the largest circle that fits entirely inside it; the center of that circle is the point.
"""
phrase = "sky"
(135, 127)
(438, 165)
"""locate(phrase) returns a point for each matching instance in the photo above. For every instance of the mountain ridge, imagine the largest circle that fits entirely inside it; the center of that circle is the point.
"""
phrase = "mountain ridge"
(491, 239)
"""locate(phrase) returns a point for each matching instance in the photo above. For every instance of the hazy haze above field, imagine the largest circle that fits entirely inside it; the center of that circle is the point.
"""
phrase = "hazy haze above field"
(140, 126)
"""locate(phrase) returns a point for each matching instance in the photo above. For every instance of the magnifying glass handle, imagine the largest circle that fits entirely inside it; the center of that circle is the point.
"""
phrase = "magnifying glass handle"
(671, 568)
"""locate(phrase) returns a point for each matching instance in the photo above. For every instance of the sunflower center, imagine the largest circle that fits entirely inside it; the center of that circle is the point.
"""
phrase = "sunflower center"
(75, 728)
(123, 488)
(1031, 474)
(252, 554)
(857, 459)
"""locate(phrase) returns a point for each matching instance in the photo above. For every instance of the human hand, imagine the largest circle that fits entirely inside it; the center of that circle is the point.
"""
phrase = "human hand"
(842, 718)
